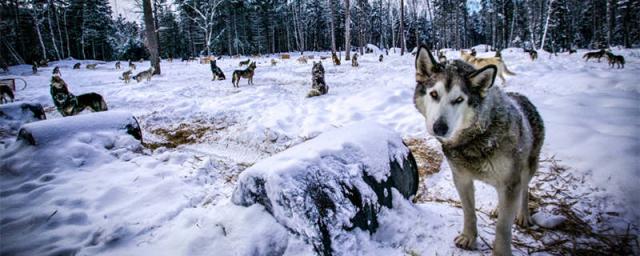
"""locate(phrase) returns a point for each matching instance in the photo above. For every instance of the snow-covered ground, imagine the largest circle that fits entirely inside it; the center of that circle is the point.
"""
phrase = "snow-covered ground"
(106, 193)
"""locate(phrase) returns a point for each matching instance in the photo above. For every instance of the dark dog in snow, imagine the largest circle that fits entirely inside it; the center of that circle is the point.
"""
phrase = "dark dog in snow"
(533, 54)
(318, 86)
(117, 65)
(76, 66)
(381, 57)
(56, 71)
(34, 67)
(247, 73)
(69, 104)
(595, 55)
(216, 71)
(246, 62)
(615, 59)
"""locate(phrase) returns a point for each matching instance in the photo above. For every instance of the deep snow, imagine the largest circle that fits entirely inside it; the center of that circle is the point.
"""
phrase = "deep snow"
(106, 193)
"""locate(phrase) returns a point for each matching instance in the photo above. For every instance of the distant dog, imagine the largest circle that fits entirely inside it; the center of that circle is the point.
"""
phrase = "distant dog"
(117, 65)
(483, 62)
(247, 73)
(76, 66)
(92, 66)
(246, 62)
(336, 60)
(486, 134)
(126, 76)
(274, 62)
(615, 59)
(354, 60)
(473, 52)
(34, 68)
(441, 57)
(132, 66)
(6, 94)
(69, 104)
(380, 58)
(302, 60)
(56, 71)
(4, 66)
(595, 55)
(318, 86)
(144, 75)
(533, 54)
(216, 71)
(498, 53)
(43, 63)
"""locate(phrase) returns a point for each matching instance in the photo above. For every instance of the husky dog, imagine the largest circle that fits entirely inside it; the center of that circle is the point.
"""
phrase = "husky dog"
(43, 63)
(533, 54)
(69, 104)
(4, 66)
(216, 71)
(483, 62)
(246, 62)
(596, 55)
(34, 67)
(147, 74)
(274, 62)
(380, 58)
(132, 66)
(126, 76)
(572, 51)
(615, 59)
(56, 71)
(76, 66)
(441, 57)
(354, 60)
(92, 66)
(247, 73)
(302, 60)
(318, 86)
(6, 94)
(336, 60)
(473, 52)
(118, 65)
(486, 134)
(498, 53)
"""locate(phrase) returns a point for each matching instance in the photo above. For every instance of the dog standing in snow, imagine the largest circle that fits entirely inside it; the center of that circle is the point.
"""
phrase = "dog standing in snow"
(486, 134)
(483, 62)
(144, 75)
(216, 71)
(354, 60)
(247, 73)
(69, 104)
(318, 86)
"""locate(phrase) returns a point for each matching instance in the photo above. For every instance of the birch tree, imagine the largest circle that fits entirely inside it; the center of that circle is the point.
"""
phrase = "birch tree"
(206, 15)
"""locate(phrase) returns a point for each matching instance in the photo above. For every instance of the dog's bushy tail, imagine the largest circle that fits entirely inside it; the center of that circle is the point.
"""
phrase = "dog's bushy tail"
(314, 93)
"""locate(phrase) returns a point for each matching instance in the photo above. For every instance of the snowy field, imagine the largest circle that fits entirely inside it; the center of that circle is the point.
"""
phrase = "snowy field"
(94, 194)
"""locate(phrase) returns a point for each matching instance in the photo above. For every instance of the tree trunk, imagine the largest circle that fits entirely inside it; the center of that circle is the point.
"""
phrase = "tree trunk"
(150, 32)
(37, 24)
(402, 42)
(332, 25)
(53, 37)
(546, 26)
(347, 28)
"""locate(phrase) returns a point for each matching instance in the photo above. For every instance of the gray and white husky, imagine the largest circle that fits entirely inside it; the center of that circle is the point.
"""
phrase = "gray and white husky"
(144, 75)
(486, 134)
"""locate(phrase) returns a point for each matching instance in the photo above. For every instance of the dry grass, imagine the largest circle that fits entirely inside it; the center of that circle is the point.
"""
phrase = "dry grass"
(429, 161)
(183, 134)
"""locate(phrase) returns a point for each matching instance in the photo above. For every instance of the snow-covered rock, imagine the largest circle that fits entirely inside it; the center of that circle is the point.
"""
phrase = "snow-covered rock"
(331, 184)
(51, 130)
(547, 220)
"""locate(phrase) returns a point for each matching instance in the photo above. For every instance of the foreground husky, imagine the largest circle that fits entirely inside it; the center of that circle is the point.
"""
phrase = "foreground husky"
(69, 104)
(118, 65)
(247, 73)
(318, 86)
(483, 62)
(216, 71)
(533, 54)
(486, 135)
(144, 75)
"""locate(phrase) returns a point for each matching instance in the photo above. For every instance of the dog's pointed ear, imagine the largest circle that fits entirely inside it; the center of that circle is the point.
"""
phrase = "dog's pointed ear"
(483, 78)
(426, 65)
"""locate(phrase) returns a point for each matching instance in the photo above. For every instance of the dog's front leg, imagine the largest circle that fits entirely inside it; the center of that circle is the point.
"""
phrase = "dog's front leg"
(464, 185)
(507, 204)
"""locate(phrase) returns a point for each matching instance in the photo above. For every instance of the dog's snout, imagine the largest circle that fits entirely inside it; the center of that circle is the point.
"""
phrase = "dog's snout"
(440, 128)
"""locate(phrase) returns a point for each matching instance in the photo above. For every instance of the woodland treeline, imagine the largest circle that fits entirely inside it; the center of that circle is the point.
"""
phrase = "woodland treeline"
(87, 29)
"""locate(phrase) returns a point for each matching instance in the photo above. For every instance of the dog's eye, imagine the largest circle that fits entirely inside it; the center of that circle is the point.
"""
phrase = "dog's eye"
(457, 101)
(434, 95)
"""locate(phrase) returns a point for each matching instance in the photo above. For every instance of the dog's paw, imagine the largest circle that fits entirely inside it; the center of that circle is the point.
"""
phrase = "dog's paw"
(466, 242)
(524, 221)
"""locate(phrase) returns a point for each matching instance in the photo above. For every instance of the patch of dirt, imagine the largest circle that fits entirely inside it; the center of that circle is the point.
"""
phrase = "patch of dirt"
(182, 134)
(429, 161)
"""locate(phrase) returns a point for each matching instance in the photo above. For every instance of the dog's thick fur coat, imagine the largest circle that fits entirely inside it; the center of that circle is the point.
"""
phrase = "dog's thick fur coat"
(247, 73)
(318, 85)
(216, 71)
(486, 135)
(69, 104)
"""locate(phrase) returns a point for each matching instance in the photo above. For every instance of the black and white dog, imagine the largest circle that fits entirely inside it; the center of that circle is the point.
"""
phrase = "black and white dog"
(69, 104)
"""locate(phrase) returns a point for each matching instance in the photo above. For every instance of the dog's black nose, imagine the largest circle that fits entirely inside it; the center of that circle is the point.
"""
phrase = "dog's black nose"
(440, 128)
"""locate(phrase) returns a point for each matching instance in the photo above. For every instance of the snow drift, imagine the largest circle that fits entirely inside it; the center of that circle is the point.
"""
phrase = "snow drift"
(331, 184)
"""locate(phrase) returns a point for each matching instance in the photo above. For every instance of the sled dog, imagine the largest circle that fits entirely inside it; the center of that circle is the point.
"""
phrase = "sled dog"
(118, 65)
(56, 71)
(69, 104)
(302, 60)
(596, 55)
(34, 68)
(126, 76)
(132, 66)
(336, 60)
(354, 60)
(144, 75)
(441, 57)
(318, 86)
(486, 134)
(247, 73)
(274, 62)
(246, 62)
(76, 66)
(216, 71)
(483, 62)
(92, 66)
(380, 58)
(615, 59)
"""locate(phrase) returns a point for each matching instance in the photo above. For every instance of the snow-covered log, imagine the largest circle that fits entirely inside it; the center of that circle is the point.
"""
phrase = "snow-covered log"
(327, 186)
(14, 115)
(39, 133)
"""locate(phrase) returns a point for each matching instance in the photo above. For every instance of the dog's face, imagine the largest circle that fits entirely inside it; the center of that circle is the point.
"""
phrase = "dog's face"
(449, 96)
(318, 69)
